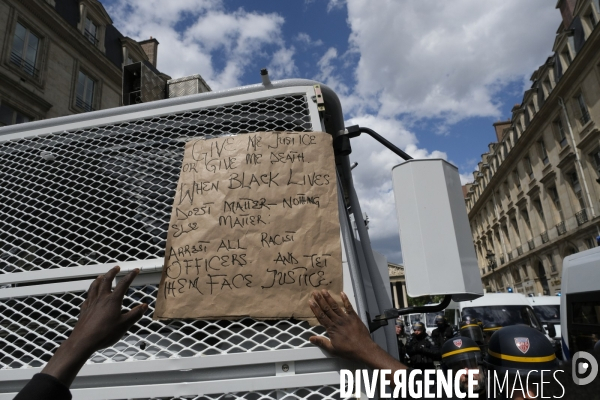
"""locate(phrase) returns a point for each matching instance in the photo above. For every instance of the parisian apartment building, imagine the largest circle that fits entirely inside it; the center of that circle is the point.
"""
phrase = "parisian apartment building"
(63, 57)
(535, 195)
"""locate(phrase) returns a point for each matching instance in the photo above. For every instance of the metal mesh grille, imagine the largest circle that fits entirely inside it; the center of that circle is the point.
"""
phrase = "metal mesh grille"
(104, 194)
(309, 393)
(32, 328)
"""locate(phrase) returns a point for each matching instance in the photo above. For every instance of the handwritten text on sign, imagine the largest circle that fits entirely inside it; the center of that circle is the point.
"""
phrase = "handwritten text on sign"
(254, 228)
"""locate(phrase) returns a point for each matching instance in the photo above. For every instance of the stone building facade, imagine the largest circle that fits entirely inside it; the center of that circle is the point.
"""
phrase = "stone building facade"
(535, 195)
(61, 57)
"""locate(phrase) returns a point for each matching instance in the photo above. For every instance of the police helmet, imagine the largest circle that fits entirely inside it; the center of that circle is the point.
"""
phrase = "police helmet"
(472, 329)
(461, 352)
(418, 326)
(520, 349)
(491, 327)
(440, 319)
(400, 322)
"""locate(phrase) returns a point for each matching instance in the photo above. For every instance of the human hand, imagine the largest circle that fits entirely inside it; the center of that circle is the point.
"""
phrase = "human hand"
(348, 336)
(101, 324)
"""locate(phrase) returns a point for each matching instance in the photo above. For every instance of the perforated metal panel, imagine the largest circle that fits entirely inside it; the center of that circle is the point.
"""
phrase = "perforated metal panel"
(33, 327)
(104, 194)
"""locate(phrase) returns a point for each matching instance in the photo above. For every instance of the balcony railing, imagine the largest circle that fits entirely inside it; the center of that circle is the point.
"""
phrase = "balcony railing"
(510, 257)
(581, 217)
(24, 65)
(79, 102)
(501, 260)
(561, 228)
(545, 237)
(519, 250)
(531, 244)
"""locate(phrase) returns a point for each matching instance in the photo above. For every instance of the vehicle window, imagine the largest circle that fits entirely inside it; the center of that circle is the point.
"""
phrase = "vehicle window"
(550, 313)
(583, 321)
(503, 315)
(431, 318)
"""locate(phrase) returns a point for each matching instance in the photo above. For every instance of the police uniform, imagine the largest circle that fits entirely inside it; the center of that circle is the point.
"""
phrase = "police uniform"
(421, 349)
(443, 332)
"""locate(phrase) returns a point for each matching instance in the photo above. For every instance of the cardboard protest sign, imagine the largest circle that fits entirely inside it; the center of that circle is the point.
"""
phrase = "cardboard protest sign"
(254, 228)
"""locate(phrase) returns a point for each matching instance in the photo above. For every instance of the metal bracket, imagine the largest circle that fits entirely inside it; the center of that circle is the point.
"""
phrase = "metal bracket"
(318, 98)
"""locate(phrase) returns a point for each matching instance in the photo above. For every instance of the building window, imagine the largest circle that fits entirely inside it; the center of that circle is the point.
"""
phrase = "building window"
(551, 263)
(90, 30)
(10, 116)
(537, 204)
(547, 87)
(516, 179)
(576, 186)
(566, 58)
(560, 133)
(590, 243)
(85, 92)
(525, 272)
(543, 151)
(596, 157)
(556, 201)
(25, 50)
(528, 167)
(591, 20)
(525, 216)
(585, 115)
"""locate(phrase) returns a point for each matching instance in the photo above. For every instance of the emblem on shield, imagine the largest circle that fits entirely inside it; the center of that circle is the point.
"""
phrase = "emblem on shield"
(522, 344)
(457, 342)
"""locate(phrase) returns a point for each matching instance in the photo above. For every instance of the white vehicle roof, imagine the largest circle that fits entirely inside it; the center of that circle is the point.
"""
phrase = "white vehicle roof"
(544, 300)
(497, 299)
(580, 272)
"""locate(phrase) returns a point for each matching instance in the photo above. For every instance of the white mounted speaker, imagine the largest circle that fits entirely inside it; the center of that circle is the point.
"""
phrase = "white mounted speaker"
(437, 247)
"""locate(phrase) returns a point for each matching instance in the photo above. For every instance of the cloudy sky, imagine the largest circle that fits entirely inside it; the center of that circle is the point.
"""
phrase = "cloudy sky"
(431, 76)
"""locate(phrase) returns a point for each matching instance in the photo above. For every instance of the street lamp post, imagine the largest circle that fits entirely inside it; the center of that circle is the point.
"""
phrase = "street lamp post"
(491, 259)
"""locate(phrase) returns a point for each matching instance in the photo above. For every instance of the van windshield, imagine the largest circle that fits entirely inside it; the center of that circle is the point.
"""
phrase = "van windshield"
(503, 315)
(431, 318)
(549, 313)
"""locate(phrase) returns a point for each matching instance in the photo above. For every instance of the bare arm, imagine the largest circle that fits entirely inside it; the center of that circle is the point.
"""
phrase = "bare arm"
(100, 325)
(349, 338)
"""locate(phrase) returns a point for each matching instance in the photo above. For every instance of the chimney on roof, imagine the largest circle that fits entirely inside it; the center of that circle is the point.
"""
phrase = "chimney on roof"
(500, 126)
(567, 7)
(150, 47)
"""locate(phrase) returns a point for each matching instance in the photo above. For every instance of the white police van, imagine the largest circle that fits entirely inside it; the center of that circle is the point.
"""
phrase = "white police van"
(580, 302)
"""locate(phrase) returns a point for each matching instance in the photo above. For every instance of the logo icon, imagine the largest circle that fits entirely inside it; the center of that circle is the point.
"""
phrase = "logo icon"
(457, 342)
(581, 368)
(522, 344)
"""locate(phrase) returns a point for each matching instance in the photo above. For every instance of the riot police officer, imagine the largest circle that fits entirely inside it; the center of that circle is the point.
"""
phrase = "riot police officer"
(463, 353)
(402, 337)
(443, 332)
(421, 349)
(523, 351)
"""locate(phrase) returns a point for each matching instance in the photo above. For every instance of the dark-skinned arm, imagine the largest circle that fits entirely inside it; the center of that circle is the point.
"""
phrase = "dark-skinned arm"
(349, 338)
(100, 324)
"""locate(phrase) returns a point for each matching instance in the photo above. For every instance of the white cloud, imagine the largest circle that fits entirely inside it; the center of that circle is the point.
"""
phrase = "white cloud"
(447, 59)
(282, 65)
(306, 40)
(213, 42)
